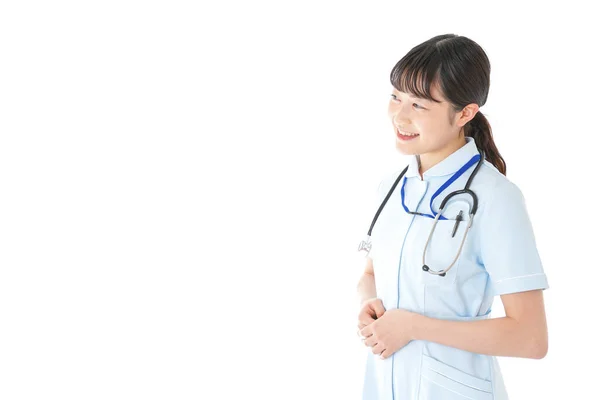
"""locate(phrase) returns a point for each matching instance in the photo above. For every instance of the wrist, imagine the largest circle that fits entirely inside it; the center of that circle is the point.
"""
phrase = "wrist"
(416, 326)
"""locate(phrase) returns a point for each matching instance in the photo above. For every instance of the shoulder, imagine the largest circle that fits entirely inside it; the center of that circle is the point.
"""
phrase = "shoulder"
(500, 199)
(494, 186)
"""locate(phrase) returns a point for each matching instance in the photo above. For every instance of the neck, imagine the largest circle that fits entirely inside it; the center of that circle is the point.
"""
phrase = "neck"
(428, 160)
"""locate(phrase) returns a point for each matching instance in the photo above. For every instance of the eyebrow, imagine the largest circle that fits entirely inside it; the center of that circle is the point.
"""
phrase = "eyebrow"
(436, 101)
(413, 97)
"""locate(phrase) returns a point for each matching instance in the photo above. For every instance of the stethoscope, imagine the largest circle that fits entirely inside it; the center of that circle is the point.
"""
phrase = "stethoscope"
(365, 245)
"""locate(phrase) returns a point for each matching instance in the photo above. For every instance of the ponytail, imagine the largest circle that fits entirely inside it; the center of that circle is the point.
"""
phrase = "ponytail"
(460, 69)
(479, 129)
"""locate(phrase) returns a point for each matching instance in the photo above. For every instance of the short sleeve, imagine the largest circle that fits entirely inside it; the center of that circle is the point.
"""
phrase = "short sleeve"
(508, 247)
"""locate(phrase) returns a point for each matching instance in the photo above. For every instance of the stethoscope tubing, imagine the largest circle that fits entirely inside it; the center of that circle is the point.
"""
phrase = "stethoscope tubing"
(366, 244)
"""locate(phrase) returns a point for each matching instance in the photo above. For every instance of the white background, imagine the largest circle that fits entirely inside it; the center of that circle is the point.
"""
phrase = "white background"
(183, 187)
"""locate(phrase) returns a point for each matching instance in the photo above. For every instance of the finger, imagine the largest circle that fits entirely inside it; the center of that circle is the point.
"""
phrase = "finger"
(358, 332)
(370, 312)
(364, 321)
(377, 349)
(370, 341)
(385, 354)
(378, 308)
(366, 331)
(366, 315)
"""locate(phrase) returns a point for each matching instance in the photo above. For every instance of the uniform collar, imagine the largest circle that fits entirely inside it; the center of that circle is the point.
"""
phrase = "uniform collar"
(448, 165)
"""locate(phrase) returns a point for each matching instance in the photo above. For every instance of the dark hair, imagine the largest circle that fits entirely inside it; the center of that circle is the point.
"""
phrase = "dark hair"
(461, 69)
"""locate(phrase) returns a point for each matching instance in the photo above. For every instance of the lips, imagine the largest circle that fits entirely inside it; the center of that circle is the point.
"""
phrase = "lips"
(406, 133)
(405, 137)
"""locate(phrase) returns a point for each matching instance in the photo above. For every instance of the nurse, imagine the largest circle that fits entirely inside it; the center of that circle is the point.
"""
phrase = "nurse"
(430, 336)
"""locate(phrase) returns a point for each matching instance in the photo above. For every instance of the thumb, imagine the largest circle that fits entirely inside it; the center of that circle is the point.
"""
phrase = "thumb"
(378, 308)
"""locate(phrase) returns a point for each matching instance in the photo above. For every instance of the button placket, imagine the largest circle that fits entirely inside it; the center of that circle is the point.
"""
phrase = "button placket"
(415, 199)
(415, 195)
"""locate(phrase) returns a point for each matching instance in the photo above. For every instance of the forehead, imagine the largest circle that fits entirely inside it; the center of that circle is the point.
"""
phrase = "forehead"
(433, 90)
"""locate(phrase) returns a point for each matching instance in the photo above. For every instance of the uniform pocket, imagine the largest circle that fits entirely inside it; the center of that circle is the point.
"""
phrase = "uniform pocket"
(442, 381)
(442, 250)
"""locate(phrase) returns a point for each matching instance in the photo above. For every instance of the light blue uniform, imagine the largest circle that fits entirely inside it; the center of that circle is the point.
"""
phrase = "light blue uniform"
(499, 256)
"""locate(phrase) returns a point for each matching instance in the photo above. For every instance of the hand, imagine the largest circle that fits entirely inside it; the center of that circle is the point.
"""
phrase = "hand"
(370, 310)
(390, 333)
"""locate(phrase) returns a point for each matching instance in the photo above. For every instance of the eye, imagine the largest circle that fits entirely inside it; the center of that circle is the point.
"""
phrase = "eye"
(394, 98)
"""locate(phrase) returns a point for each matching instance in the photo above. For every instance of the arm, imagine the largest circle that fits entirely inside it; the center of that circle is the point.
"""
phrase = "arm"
(366, 284)
(522, 333)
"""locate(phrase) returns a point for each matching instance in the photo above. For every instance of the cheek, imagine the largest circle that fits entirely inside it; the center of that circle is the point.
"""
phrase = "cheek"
(434, 127)
(390, 112)
(422, 126)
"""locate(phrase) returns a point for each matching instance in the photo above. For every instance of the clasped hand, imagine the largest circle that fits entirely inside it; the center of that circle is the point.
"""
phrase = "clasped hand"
(385, 331)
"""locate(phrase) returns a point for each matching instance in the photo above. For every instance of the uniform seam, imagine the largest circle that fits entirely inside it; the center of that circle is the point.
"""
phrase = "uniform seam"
(420, 374)
(493, 378)
(398, 293)
(422, 345)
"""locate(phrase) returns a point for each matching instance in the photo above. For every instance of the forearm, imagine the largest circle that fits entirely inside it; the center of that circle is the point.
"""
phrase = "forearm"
(366, 287)
(497, 336)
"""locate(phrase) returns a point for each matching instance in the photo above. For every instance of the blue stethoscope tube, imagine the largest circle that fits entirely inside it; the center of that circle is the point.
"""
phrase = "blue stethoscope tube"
(365, 245)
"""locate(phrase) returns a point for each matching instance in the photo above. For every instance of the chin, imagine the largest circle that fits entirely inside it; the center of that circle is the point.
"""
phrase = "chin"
(404, 151)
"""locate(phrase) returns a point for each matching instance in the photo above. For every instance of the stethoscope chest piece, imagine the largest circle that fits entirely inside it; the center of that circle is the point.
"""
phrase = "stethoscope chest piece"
(365, 245)
(426, 269)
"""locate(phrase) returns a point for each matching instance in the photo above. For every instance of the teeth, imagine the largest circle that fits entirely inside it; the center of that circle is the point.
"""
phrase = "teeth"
(408, 134)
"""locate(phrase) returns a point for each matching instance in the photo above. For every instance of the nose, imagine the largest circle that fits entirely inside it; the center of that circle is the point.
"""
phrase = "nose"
(400, 116)
(401, 120)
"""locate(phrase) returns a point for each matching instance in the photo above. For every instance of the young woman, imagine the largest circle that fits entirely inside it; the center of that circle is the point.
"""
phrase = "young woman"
(434, 265)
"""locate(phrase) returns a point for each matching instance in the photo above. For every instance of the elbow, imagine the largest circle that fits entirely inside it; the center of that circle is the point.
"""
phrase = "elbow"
(541, 352)
(534, 341)
(539, 349)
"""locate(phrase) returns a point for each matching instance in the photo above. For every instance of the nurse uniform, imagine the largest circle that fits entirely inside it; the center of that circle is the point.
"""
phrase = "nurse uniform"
(498, 257)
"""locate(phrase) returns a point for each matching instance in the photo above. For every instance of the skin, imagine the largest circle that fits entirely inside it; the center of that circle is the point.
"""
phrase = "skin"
(440, 129)
(521, 333)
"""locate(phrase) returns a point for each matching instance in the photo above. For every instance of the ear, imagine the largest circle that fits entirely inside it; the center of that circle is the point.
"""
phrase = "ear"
(467, 114)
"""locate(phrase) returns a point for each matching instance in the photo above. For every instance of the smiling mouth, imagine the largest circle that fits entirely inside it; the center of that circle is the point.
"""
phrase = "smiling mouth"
(404, 133)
